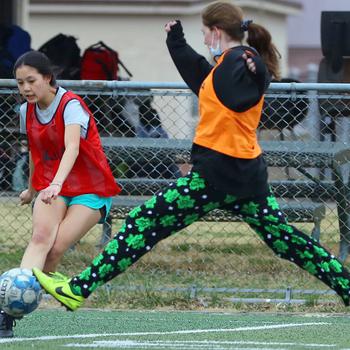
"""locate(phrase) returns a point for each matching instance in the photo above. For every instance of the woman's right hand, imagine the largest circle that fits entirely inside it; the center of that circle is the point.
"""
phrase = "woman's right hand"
(169, 25)
(249, 62)
(26, 196)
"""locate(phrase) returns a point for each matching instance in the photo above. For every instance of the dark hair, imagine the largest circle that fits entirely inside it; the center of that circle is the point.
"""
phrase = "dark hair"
(260, 38)
(229, 18)
(225, 16)
(37, 60)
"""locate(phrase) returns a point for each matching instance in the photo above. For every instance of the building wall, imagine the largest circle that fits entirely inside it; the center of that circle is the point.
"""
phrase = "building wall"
(140, 39)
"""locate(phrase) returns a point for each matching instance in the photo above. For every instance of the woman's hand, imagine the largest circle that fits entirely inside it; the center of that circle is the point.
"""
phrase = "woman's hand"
(169, 25)
(249, 62)
(26, 196)
(50, 193)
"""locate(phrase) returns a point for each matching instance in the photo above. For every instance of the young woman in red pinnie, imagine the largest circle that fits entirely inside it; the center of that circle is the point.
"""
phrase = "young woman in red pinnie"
(70, 180)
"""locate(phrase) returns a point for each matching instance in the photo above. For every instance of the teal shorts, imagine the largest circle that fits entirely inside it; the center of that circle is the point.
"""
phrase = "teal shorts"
(91, 201)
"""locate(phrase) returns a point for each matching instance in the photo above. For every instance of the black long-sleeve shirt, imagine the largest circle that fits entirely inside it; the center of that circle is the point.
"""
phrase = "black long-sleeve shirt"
(239, 90)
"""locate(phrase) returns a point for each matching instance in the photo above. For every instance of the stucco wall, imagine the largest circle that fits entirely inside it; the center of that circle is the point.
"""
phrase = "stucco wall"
(140, 40)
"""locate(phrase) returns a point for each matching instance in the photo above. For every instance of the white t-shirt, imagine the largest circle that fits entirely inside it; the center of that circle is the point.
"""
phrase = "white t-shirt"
(74, 113)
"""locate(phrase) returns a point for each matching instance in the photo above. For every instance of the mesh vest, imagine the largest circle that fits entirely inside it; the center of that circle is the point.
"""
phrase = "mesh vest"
(224, 130)
(90, 173)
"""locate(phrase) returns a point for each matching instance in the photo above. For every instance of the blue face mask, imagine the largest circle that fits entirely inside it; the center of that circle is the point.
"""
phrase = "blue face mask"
(215, 51)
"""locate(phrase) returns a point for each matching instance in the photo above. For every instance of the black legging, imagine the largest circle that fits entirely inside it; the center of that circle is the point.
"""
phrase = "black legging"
(184, 202)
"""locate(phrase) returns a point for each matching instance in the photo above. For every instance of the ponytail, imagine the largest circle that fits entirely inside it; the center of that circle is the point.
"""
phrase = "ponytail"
(260, 39)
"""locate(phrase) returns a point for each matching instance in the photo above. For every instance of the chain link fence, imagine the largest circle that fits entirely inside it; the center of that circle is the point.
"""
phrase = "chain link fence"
(220, 253)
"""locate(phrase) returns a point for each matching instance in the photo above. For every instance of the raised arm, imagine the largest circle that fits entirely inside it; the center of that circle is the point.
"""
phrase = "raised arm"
(192, 66)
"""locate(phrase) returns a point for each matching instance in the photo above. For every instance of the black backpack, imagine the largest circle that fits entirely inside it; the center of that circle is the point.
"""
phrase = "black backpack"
(64, 54)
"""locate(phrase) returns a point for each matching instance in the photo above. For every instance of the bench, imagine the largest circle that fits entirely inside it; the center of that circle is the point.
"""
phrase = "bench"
(310, 193)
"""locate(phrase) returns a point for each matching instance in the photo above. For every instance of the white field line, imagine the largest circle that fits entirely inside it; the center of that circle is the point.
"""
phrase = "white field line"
(156, 346)
(205, 344)
(145, 345)
(192, 331)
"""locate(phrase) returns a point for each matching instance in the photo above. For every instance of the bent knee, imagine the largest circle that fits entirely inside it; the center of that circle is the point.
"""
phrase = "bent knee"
(42, 235)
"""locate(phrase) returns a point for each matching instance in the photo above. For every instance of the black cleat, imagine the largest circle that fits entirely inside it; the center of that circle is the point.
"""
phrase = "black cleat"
(7, 323)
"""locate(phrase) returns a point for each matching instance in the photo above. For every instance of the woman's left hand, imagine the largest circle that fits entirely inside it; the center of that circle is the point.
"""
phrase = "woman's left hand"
(50, 193)
(169, 25)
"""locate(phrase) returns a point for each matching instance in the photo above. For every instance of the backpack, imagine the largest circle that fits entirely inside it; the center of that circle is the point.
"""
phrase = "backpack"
(64, 53)
(14, 42)
(99, 62)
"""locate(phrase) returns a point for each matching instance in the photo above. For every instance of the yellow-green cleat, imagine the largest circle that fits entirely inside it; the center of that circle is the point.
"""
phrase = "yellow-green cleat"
(60, 289)
(58, 276)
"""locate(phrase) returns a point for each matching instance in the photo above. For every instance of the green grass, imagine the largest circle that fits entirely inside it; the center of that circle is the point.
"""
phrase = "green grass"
(55, 329)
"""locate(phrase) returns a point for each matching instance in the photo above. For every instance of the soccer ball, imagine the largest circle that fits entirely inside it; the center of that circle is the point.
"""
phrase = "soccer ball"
(20, 292)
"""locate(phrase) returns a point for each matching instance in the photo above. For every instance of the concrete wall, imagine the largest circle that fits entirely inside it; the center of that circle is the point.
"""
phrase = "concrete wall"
(140, 39)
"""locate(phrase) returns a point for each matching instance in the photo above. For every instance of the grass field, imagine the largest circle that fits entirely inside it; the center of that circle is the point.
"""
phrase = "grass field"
(217, 255)
(169, 330)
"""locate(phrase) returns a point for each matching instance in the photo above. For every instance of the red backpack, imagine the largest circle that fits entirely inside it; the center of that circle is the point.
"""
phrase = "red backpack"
(99, 62)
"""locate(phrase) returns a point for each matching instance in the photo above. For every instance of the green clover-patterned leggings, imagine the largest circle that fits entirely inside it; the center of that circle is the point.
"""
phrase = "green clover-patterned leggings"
(183, 203)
